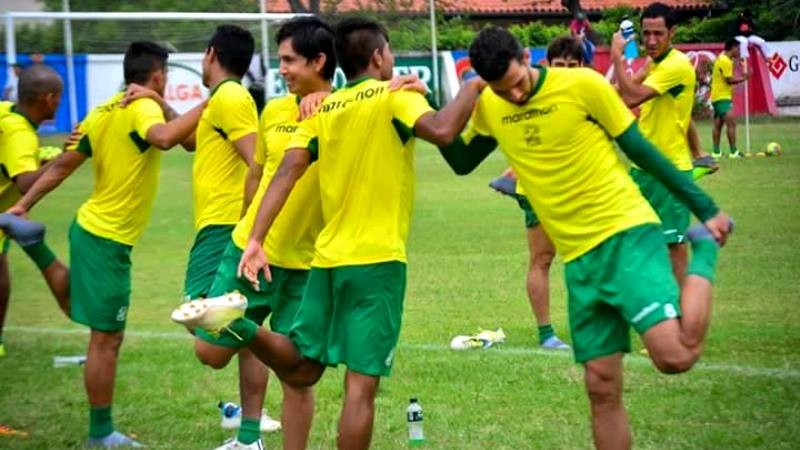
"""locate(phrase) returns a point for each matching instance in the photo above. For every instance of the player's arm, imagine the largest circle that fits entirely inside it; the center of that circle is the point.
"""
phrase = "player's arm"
(467, 152)
(57, 171)
(163, 136)
(645, 155)
(166, 135)
(293, 166)
(253, 178)
(442, 127)
(693, 137)
(633, 93)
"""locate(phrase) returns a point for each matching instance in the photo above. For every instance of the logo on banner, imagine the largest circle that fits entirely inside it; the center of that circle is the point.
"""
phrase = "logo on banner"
(777, 66)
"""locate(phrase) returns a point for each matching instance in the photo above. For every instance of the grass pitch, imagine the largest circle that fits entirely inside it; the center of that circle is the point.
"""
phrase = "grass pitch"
(468, 260)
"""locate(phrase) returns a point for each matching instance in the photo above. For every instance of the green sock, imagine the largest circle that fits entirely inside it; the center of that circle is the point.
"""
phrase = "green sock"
(704, 259)
(716, 149)
(546, 332)
(733, 149)
(1, 339)
(40, 254)
(243, 329)
(100, 424)
(250, 431)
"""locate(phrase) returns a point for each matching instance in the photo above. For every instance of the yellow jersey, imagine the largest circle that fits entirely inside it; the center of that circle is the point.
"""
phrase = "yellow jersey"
(218, 172)
(723, 69)
(19, 152)
(290, 242)
(559, 144)
(665, 119)
(363, 140)
(126, 168)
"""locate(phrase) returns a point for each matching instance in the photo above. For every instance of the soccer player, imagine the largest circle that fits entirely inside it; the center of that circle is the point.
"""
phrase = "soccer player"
(666, 96)
(617, 267)
(564, 51)
(123, 144)
(40, 89)
(363, 141)
(722, 82)
(307, 63)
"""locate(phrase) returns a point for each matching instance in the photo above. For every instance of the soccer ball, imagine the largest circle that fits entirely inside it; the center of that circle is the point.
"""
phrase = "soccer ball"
(773, 149)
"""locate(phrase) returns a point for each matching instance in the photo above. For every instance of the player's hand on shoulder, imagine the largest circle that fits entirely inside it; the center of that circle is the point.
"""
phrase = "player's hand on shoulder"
(135, 92)
(720, 226)
(310, 104)
(408, 82)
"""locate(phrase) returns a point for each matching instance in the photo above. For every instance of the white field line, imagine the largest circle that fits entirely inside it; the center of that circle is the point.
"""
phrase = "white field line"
(785, 373)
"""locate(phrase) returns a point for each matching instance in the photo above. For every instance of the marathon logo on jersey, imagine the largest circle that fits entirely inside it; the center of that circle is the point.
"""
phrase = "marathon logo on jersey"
(361, 95)
(288, 129)
(529, 114)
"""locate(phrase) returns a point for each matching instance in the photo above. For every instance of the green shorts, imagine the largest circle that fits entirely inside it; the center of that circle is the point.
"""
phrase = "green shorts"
(721, 108)
(673, 213)
(531, 220)
(204, 259)
(626, 280)
(100, 280)
(279, 299)
(351, 315)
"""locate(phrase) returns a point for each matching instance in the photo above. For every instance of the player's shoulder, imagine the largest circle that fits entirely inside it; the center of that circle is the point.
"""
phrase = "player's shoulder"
(16, 121)
(230, 91)
(279, 109)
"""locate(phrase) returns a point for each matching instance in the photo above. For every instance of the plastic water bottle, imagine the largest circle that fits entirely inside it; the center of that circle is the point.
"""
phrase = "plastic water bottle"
(229, 409)
(414, 419)
(63, 361)
(628, 32)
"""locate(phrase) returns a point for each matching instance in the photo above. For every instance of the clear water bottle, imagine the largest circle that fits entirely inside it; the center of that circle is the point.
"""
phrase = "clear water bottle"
(63, 361)
(628, 32)
(414, 419)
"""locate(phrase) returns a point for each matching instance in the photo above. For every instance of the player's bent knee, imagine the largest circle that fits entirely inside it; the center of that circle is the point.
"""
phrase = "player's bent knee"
(212, 355)
(675, 361)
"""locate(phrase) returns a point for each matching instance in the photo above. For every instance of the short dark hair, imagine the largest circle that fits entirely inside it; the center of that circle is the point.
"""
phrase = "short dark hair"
(356, 40)
(234, 47)
(565, 47)
(492, 52)
(310, 36)
(731, 43)
(656, 10)
(38, 80)
(142, 59)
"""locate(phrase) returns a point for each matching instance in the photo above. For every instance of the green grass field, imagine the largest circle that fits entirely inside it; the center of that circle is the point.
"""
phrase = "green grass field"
(468, 259)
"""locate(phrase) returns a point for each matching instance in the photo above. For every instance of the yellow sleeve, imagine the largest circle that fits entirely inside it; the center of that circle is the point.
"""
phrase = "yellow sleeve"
(146, 113)
(664, 77)
(235, 114)
(22, 156)
(477, 125)
(408, 107)
(307, 136)
(603, 104)
(726, 68)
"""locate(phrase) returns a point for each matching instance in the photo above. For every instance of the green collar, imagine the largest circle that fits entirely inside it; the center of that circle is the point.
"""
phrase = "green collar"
(235, 80)
(540, 81)
(359, 80)
(16, 111)
(662, 56)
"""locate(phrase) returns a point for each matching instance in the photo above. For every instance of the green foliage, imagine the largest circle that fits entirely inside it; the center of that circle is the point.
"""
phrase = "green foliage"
(537, 34)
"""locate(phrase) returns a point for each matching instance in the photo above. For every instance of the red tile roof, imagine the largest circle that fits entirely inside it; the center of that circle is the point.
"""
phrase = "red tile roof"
(501, 7)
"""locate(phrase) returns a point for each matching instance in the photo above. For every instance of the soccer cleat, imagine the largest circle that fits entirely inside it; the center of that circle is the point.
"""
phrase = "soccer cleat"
(234, 444)
(268, 424)
(703, 166)
(211, 314)
(484, 339)
(735, 155)
(24, 231)
(492, 337)
(504, 185)
(716, 155)
(113, 440)
(699, 232)
(554, 343)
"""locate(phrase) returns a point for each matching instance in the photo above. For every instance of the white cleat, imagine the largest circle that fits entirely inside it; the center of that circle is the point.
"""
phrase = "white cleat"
(268, 424)
(234, 444)
(211, 314)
